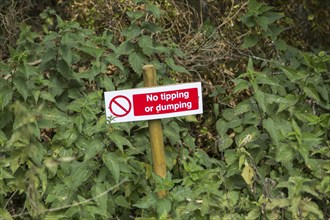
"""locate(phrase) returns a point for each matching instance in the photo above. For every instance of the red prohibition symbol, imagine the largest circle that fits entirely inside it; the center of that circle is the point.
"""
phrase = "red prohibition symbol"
(120, 106)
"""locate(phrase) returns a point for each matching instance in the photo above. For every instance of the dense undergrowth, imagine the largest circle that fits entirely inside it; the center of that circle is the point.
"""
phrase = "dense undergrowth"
(261, 149)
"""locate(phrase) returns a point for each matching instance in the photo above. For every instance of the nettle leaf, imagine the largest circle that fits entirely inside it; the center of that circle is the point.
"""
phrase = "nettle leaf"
(311, 206)
(163, 207)
(248, 20)
(303, 151)
(307, 117)
(121, 201)
(261, 99)
(92, 51)
(56, 86)
(135, 15)
(172, 132)
(271, 99)
(311, 139)
(241, 85)
(21, 86)
(296, 127)
(274, 30)
(93, 149)
(131, 32)
(64, 68)
(47, 96)
(250, 41)
(4, 174)
(146, 201)
(72, 211)
(154, 9)
(125, 48)
(254, 6)
(112, 162)
(224, 142)
(151, 27)
(287, 102)
(170, 62)
(106, 83)
(80, 172)
(250, 69)
(293, 74)
(36, 95)
(4, 68)
(6, 93)
(273, 16)
(114, 61)
(264, 8)
(251, 118)
(266, 79)
(254, 214)
(284, 153)
(189, 141)
(98, 189)
(137, 60)
(65, 53)
(312, 92)
(119, 141)
(271, 127)
(232, 198)
(91, 73)
(161, 49)
(49, 55)
(30, 70)
(79, 121)
(278, 203)
(146, 44)
(92, 212)
(55, 117)
(263, 21)
(231, 156)
(228, 114)
(221, 126)
(281, 45)
(325, 120)
(78, 104)
(324, 92)
(242, 107)
(36, 152)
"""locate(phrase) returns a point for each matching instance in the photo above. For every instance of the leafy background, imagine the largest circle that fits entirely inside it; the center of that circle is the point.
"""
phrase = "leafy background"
(260, 151)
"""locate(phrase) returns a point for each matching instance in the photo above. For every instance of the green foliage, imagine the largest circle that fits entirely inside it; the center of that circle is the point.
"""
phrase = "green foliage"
(59, 159)
(273, 138)
(261, 20)
(58, 155)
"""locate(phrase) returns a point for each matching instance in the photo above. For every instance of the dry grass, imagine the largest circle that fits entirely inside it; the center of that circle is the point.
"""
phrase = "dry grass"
(12, 13)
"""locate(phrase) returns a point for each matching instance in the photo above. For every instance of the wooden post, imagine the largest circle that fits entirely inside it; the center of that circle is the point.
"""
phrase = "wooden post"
(155, 131)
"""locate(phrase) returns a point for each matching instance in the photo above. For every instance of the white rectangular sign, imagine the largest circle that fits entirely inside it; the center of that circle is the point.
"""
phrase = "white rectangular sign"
(154, 102)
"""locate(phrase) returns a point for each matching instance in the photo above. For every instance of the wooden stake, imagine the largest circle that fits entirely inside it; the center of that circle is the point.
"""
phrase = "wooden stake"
(155, 131)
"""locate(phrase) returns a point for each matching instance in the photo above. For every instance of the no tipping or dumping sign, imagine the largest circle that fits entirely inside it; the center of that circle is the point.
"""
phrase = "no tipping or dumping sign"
(151, 103)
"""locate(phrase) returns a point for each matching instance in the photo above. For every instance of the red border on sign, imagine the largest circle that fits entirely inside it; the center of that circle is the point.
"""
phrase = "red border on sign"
(114, 101)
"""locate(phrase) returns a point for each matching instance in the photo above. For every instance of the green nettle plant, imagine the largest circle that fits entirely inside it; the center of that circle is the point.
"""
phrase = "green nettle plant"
(277, 140)
(59, 159)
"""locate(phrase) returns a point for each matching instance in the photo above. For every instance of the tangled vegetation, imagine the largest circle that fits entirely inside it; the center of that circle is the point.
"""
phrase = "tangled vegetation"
(261, 149)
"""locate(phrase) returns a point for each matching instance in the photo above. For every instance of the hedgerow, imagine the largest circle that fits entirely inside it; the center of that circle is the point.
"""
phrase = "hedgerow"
(261, 149)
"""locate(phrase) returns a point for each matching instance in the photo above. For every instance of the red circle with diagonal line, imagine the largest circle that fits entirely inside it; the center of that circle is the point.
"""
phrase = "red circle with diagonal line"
(120, 106)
